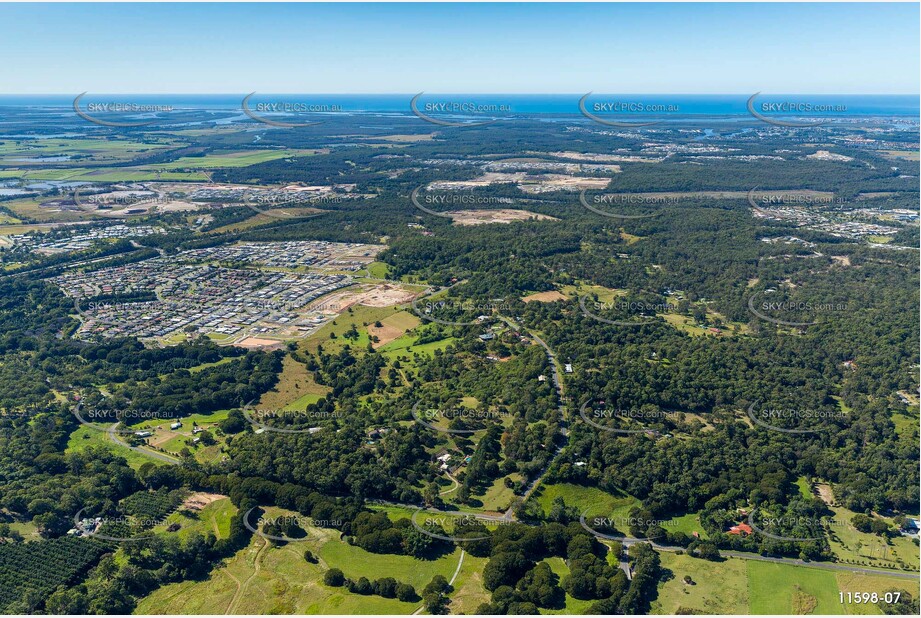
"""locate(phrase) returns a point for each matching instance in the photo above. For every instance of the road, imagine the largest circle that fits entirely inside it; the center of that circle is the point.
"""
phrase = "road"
(557, 379)
(670, 548)
(757, 557)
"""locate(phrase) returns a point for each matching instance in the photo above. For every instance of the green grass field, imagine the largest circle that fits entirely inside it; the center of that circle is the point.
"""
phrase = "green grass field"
(264, 580)
(736, 586)
(295, 389)
(805, 488)
(865, 549)
(687, 523)
(719, 587)
(360, 316)
(785, 589)
(213, 518)
(595, 500)
(229, 159)
(84, 437)
(497, 497)
(378, 270)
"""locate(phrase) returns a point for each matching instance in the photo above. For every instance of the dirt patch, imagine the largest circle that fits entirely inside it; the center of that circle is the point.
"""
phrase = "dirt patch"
(161, 438)
(481, 217)
(842, 259)
(825, 493)
(200, 500)
(560, 182)
(393, 327)
(602, 158)
(256, 343)
(385, 334)
(544, 297)
(178, 206)
(826, 155)
(382, 296)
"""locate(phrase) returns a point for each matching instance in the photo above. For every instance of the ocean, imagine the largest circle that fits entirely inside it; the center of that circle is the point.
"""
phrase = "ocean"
(499, 104)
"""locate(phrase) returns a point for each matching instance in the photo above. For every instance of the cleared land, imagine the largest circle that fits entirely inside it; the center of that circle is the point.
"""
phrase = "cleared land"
(482, 217)
(261, 579)
(295, 388)
(544, 297)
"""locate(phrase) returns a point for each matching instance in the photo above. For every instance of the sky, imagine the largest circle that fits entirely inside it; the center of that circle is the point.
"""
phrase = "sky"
(681, 48)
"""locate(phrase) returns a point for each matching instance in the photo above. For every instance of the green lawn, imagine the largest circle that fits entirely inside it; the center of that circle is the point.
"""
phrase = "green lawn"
(786, 589)
(360, 315)
(497, 497)
(198, 368)
(210, 418)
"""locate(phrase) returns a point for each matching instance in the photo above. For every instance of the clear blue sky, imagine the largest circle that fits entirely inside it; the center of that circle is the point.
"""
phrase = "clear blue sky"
(452, 48)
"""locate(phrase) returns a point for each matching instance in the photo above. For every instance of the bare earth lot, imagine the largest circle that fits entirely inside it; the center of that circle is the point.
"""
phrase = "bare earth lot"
(480, 217)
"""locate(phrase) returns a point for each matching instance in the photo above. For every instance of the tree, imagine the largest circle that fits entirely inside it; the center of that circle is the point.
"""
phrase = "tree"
(406, 593)
(438, 585)
(505, 568)
(334, 577)
(435, 603)
(385, 587)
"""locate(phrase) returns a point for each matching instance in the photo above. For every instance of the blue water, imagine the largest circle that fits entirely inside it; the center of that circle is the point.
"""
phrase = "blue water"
(686, 104)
